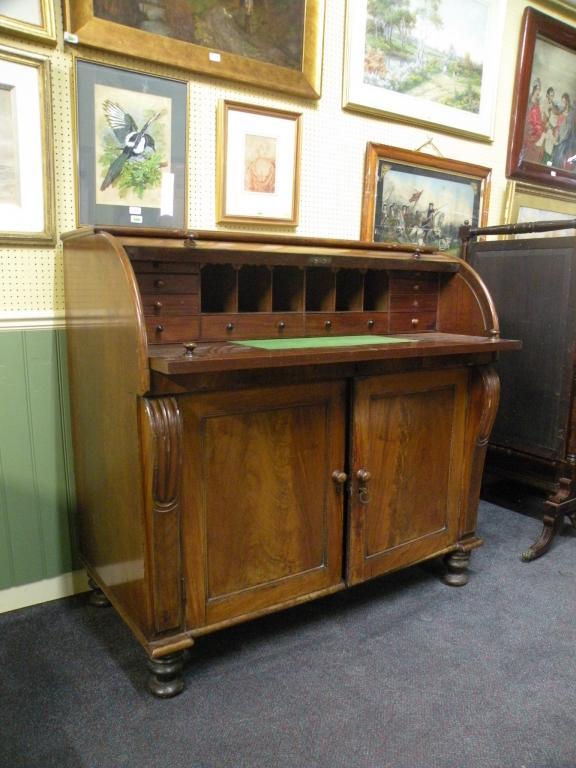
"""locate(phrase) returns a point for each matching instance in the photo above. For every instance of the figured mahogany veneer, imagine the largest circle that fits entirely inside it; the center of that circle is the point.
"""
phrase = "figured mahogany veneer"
(218, 482)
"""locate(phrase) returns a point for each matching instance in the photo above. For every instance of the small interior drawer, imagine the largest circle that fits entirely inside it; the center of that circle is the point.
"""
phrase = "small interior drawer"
(169, 329)
(167, 283)
(414, 284)
(412, 321)
(410, 302)
(160, 305)
(170, 267)
(261, 325)
(344, 323)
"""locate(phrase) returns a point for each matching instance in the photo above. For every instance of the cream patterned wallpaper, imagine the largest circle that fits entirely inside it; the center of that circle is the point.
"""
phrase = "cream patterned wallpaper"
(332, 159)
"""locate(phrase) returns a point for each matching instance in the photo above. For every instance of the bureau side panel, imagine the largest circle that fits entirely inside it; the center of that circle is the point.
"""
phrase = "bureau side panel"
(106, 364)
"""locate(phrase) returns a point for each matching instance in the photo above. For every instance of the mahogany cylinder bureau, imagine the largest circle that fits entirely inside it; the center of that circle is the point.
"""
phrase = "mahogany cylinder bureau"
(260, 421)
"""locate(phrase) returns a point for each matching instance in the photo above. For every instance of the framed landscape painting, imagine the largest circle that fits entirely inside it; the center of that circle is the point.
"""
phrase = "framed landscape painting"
(274, 44)
(429, 63)
(542, 140)
(26, 187)
(420, 199)
(131, 130)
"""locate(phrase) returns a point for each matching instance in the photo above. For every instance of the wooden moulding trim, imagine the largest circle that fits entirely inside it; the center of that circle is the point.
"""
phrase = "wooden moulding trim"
(265, 611)
(468, 544)
(154, 648)
(171, 645)
(312, 242)
(192, 238)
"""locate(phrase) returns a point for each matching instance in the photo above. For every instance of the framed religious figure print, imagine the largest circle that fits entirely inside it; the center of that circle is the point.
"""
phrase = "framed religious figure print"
(258, 156)
(131, 160)
(412, 197)
(32, 19)
(26, 187)
(542, 139)
(273, 44)
(427, 63)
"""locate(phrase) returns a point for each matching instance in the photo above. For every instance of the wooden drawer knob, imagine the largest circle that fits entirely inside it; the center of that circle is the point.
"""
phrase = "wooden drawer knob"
(189, 346)
(159, 283)
(281, 325)
(328, 324)
(157, 306)
(370, 323)
(159, 328)
(229, 327)
(414, 322)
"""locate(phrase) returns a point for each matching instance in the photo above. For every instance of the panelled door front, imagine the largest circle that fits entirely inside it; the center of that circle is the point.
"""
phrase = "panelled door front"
(263, 516)
(406, 469)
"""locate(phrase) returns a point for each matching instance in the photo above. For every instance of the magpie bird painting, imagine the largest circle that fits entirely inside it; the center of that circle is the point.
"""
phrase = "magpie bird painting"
(135, 143)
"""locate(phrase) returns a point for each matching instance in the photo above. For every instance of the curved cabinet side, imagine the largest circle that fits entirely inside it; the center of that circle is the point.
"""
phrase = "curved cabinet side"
(107, 368)
(465, 305)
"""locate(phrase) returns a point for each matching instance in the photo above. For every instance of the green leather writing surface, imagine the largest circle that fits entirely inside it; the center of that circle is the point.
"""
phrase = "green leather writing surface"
(321, 342)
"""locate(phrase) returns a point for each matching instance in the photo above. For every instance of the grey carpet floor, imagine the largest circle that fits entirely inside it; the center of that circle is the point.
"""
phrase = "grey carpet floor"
(403, 672)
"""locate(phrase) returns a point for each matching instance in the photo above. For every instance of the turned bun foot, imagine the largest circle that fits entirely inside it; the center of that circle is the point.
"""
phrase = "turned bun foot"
(457, 569)
(96, 597)
(165, 679)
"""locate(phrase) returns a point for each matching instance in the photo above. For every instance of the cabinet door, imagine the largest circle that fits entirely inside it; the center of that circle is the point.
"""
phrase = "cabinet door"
(263, 517)
(408, 434)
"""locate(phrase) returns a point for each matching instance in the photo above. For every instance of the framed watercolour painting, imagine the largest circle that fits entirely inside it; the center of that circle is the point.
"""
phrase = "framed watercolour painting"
(526, 203)
(274, 44)
(427, 63)
(258, 155)
(412, 197)
(32, 19)
(26, 188)
(131, 162)
(542, 140)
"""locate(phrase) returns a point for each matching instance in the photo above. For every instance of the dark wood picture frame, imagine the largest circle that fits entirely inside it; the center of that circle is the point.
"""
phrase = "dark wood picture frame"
(95, 31)
(545, 74)
(149, 189)
(442, 180)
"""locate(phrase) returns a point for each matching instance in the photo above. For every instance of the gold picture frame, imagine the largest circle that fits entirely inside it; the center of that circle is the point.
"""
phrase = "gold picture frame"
(420, 199)
(443, 74)
(528, 202)
(26, 168)
(35, 21)
(295, 68)
(257, 164)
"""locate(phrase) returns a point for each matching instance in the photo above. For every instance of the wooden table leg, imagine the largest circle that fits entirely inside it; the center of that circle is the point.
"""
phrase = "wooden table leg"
(562, 503)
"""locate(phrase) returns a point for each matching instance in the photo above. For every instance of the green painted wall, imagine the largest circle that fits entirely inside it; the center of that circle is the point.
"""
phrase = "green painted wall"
(36, 478)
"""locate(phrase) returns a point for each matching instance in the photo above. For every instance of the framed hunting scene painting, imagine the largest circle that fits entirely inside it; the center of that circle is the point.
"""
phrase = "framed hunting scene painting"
(412, 197)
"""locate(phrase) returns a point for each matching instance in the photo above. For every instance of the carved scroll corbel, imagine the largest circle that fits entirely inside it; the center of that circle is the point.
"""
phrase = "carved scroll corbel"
(163, 469)
(484, 399)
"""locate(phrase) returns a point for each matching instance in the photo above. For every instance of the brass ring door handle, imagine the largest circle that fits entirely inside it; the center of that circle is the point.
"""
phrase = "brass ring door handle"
(363, 477)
